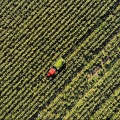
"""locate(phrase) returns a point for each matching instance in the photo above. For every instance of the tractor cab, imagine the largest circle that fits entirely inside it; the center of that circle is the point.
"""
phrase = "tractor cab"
(51, 72)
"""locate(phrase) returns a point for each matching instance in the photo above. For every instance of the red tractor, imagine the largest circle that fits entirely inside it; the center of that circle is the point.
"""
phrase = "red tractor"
(57, 66)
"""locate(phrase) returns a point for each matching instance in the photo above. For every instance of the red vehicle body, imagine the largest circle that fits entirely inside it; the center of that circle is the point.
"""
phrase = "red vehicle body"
(51, 72)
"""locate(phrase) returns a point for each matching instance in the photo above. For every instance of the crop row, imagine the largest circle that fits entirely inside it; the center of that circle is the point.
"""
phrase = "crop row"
(54, 86)
(93, 95)
(26, 42)
(15, 64)
(75, 83)
(34, 21)
(13, 84)
(19, 34)
(105, 109)
(23, 44)
(116, 116)
(67, 75)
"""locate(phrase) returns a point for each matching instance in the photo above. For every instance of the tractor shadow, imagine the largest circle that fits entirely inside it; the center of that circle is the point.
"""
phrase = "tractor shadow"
(62, 68)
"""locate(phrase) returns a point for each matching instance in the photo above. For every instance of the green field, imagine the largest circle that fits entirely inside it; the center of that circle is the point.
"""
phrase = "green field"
(34, 34)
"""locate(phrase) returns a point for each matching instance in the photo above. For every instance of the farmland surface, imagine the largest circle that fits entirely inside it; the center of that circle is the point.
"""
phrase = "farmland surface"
(34, 34)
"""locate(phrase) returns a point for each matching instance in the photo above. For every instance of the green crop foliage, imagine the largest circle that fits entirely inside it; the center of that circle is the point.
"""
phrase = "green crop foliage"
(36, 33)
